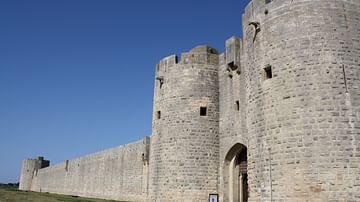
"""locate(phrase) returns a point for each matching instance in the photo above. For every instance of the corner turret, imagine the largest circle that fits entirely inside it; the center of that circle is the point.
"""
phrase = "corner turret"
(29, 167)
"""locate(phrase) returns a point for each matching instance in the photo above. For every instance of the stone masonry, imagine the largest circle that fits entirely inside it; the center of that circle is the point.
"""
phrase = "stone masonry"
(276, 117)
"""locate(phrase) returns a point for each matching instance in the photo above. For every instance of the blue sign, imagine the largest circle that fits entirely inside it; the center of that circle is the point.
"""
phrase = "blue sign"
(213, 197)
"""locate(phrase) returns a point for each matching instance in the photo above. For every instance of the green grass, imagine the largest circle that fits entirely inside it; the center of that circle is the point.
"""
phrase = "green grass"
(11, 194)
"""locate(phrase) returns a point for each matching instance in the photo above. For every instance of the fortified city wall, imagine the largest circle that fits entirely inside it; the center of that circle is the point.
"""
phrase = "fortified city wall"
(276, 117)
(119, 173)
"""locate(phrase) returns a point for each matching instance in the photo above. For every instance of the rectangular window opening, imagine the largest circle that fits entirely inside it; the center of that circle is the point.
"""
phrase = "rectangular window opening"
(158, 114)
(203, 111)
(237, 105)
(267, 72)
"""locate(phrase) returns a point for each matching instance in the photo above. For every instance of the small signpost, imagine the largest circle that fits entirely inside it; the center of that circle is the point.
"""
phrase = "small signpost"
(213, 197)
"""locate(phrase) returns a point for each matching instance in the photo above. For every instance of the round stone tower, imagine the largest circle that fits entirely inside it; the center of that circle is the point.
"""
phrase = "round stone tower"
(302, 78)
(185, 141)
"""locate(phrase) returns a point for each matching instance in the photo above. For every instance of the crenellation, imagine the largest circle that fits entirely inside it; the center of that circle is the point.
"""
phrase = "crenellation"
(29, 170)
(274, 118)
(200, 55)
(168, 62)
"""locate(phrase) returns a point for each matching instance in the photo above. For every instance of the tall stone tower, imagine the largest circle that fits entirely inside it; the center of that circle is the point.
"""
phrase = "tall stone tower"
(184, 150)
(274, 118)
(29, 169)
(301, 69)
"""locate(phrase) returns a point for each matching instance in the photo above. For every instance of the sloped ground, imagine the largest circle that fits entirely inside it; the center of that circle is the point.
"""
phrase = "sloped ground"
(8, 194)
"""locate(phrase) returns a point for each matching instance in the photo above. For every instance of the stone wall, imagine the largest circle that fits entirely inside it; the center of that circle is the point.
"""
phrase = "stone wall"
(232, 107)
(119, 173)
(29, 166)
(303, 123)
(184, 145)
(288, 94)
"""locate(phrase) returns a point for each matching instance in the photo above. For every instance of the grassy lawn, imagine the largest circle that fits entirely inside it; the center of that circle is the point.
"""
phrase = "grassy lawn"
(10, 194)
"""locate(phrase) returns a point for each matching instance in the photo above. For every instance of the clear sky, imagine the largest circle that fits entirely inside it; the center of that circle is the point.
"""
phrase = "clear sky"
(76, 76)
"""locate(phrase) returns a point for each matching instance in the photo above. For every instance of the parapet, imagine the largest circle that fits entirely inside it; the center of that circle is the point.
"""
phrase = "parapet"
(29, 166)
(202, 54)
(42, 163)
(38, 162)
(166, 62)
(204, 49)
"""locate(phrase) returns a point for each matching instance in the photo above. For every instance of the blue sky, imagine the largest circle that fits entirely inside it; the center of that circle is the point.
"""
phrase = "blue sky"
(76, 76)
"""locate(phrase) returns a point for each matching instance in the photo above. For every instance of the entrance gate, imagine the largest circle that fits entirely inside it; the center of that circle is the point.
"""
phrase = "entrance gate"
(235, 174)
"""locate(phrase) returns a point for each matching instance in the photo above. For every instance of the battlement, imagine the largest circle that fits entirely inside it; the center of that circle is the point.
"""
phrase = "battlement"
(275, 117)
(39, 162)
(166, 62)
(29, 166)
(204, 49)
(201, 54)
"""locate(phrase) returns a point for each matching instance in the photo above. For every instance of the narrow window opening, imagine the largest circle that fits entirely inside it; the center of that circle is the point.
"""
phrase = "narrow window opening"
(267, 72)
(345, 79)
(158, 114)
(67, 165)
(203, 111)
(237, 105)
(266, 11)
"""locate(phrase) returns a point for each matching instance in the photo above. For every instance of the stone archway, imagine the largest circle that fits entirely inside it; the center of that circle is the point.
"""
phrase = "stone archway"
(235, 174)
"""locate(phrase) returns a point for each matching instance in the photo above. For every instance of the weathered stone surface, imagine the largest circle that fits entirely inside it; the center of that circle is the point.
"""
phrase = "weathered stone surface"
(185, 145)
(280, 110)
(117, 173)
(304, 118)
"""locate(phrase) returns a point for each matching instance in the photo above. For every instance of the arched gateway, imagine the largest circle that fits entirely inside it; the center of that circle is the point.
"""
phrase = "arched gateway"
(235, 174)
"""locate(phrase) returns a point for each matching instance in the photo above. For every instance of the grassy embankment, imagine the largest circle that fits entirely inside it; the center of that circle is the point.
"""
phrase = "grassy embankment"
(12, 194)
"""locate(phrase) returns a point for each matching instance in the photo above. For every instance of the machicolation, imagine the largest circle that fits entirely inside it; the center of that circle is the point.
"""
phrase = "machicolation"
(276, 117)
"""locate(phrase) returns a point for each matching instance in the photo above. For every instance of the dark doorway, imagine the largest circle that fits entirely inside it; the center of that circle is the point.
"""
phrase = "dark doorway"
(235, 175)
